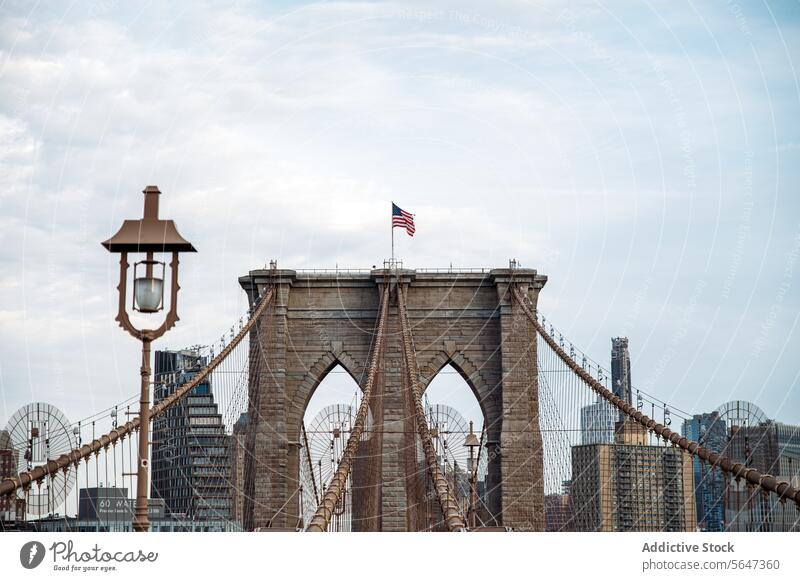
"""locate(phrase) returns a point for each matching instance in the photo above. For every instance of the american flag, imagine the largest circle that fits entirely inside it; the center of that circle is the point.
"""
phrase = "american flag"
(402, 219)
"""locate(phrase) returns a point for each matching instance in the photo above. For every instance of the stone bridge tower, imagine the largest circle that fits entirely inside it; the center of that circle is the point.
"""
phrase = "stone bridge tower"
(466, 319)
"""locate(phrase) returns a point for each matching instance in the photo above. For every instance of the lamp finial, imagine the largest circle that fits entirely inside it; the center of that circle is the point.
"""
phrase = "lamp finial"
(151, 194)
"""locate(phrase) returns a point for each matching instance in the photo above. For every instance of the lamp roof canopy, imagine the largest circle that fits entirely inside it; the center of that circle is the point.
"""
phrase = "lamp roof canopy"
(471, 441)
(150, 234)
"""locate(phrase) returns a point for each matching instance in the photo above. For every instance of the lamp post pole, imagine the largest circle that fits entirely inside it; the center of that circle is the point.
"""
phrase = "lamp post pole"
(147, 235)
(141, 520)
(472, 499)
(472, 442)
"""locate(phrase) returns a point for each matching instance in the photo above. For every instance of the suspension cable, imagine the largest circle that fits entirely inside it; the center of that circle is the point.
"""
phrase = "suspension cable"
(9, 485)
(767, 482)
(310, 463)
(452, 515)
(324, 513)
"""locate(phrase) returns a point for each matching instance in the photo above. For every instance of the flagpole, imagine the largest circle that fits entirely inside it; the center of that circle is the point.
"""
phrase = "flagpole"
(391, 217)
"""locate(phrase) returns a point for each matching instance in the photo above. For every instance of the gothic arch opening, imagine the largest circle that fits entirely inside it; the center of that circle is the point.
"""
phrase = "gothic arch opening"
(337, 386)
(453, 412)
(327, 421)
(448, 387)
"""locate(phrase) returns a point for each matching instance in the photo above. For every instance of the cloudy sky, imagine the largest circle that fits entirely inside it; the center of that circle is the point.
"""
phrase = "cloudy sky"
(644, 155)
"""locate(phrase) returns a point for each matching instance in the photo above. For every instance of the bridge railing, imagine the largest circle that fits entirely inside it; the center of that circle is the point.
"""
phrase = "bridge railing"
(366, 271)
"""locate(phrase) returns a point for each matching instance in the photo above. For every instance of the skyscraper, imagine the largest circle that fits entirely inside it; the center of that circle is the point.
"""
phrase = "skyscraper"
(597, 423)
(191, 451)
(709, 485)
(632, 486)
(772, 448)
(621, 370)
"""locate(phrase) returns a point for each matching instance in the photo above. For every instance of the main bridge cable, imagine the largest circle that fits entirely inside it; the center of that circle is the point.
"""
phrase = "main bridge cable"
(24, 479)
(767, 482)
(322, 517)
(452, 515)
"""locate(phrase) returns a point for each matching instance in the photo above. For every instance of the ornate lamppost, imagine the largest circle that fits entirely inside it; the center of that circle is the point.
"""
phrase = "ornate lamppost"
(149, 236)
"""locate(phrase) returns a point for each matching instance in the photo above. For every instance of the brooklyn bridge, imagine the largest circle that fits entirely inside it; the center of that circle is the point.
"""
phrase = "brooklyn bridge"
(396, 463)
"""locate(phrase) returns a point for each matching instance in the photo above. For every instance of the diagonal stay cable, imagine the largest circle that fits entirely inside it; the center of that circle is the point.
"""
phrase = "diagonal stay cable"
(310, 463)
(322, 517)
(452, 515)
(24, 479)
(766, 482)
